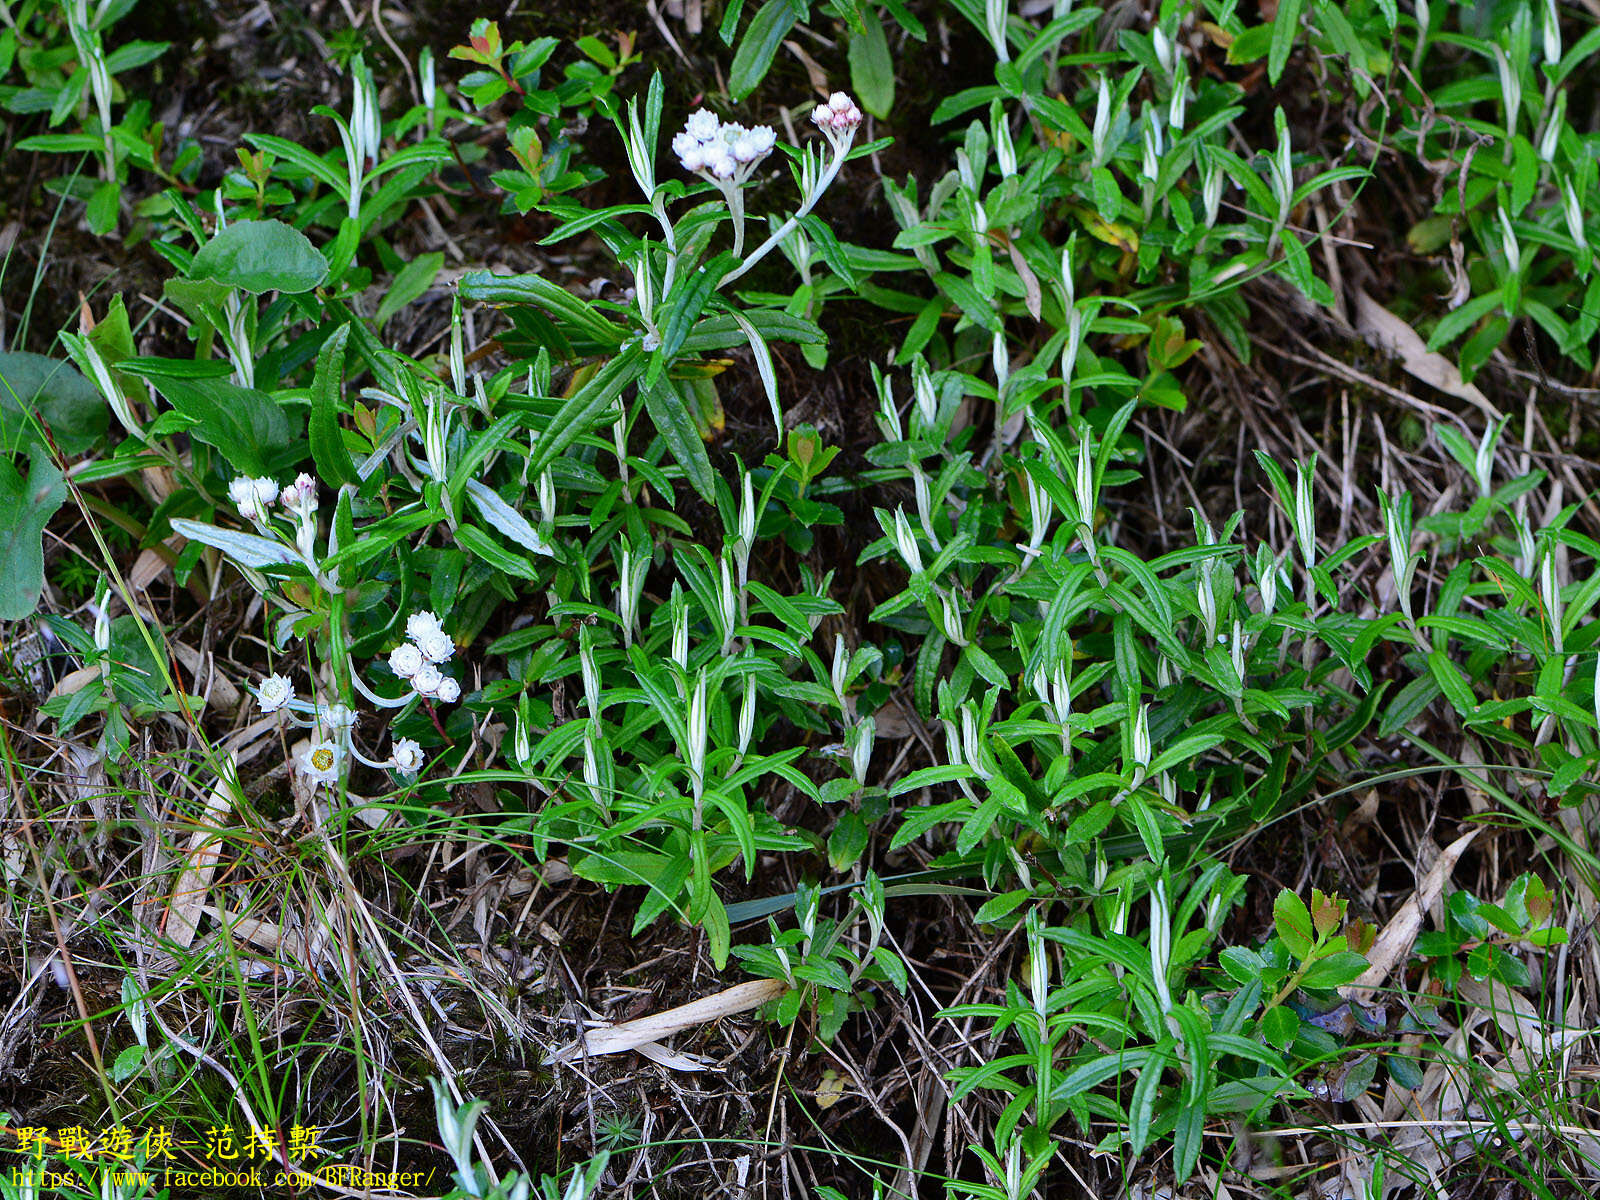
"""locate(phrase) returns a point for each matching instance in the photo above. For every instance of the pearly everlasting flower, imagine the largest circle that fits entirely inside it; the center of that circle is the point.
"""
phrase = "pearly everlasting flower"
(448, 691)
(300, 497)
(274, 693)
(407, 757)
(702, 125)
(252, 496)
(405, 659)
(752, 144)
(436, 645)
(690, 152)
(420, 625)
(721, 152)
(426, 680)
(320, 762)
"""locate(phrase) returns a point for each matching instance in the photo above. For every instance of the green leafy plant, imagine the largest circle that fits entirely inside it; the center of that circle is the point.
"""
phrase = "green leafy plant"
(76, 79)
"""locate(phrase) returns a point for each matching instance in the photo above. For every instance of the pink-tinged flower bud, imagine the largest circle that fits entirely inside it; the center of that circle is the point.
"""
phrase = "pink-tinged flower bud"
(822, 116)
(840, 102)
(300, 497)
(405, 660)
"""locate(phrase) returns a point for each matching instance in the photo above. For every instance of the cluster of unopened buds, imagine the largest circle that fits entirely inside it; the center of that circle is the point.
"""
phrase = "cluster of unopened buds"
(323, 759)
(726, 154)
(254, 497)
(837, 118)
(721, 152)
(417, 660)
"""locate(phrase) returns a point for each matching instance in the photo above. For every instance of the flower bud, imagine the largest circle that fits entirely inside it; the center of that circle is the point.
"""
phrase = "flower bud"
(252, 496)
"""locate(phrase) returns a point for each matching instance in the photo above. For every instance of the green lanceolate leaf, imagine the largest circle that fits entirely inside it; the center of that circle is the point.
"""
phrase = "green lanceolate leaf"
(760, 43)
(1284, 27)
(548, 297)
(871, 68)
(583, 408)
(683, 308)
(410, 281)
(670, 413)
(327, 447)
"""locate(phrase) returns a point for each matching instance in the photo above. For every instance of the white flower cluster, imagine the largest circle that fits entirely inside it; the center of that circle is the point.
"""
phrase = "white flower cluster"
(721, 152)
(837, 118)
(417, 660)
(323, 759)
(252, 496)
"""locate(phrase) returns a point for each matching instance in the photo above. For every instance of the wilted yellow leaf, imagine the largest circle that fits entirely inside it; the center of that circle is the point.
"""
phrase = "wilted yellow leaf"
(831, 1090)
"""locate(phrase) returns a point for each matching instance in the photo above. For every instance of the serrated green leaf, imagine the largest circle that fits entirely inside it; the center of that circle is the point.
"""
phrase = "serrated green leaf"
(1292, 920)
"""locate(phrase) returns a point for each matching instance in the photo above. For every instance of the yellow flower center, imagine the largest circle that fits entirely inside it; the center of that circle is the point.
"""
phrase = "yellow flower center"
(322, 758)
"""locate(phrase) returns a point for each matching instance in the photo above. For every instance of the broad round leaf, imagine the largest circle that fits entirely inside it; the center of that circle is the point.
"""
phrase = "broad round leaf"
(69, 403)
(261, 256)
